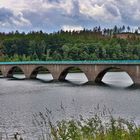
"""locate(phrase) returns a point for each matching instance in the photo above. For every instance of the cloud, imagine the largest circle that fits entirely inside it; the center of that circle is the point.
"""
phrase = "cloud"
(5, 14)
(72, 28)
(130, 11)
(52, 15)
(9, 19)
(112, 10)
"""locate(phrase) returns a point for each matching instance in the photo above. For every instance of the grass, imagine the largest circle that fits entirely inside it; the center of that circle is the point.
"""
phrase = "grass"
(95, 128)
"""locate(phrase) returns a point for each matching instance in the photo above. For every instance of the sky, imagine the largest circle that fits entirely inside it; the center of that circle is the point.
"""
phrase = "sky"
(53, 15)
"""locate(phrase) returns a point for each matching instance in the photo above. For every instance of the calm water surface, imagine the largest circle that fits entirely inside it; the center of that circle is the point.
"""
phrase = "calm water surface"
(20, 99)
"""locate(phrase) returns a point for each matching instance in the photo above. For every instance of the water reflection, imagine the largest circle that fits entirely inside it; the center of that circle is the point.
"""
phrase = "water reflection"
(76, 78)
(117, 79)
(19, 76)
(113, 79)
(45, 77)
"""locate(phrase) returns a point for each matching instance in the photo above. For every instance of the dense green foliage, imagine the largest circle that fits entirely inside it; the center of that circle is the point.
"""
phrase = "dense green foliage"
(83, 45)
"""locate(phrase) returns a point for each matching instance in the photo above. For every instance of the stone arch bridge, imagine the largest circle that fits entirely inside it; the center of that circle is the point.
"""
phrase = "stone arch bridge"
(94, 70)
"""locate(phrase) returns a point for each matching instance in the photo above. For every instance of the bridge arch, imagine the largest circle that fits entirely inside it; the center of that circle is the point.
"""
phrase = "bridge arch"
(1, 74)
(40, 70)
(103, 72)
(15, 70)
(73, 69)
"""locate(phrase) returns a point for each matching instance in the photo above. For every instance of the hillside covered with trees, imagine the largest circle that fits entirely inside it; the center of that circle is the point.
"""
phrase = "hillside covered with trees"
(95, 44)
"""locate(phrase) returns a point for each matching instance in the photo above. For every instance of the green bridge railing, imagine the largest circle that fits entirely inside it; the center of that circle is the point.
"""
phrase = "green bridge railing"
(73, 62)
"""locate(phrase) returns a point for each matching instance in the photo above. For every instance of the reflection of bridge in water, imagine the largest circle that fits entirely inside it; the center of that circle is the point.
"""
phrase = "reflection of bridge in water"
(94, 70)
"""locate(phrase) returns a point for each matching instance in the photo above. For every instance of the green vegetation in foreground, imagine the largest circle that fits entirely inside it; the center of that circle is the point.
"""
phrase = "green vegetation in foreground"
(95, 44)
(95, 128)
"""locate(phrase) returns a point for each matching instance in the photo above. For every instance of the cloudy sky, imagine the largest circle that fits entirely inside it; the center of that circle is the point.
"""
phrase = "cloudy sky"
(53, 15)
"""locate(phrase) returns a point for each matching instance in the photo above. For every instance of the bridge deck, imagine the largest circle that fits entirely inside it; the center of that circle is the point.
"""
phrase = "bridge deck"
(73, 62)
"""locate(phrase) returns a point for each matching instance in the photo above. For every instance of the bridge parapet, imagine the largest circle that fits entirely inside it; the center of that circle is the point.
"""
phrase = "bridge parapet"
(115, 62)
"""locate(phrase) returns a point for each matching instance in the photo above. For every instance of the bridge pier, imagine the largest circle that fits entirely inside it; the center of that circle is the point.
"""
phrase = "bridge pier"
(136, 81)
(90, 83)
(30, 76)
(62, 78)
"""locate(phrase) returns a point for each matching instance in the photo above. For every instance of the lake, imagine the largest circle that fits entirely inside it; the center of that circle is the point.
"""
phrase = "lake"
(20, 99)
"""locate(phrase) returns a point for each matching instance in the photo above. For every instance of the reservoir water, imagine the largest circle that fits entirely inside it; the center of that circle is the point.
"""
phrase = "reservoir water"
(20, 99)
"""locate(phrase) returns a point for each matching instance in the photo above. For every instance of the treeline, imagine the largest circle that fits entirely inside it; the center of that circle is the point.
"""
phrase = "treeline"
(95, 44)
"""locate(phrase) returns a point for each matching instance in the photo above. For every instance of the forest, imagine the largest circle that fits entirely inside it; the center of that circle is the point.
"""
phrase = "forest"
(95, 44)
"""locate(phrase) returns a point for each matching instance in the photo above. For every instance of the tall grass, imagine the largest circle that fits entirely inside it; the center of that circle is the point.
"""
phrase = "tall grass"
(99, 127)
